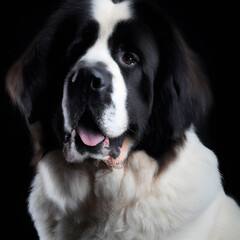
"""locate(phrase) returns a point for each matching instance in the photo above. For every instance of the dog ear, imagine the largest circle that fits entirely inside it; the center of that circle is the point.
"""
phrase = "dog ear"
(38, 74)
(181, 95)
(25, 80)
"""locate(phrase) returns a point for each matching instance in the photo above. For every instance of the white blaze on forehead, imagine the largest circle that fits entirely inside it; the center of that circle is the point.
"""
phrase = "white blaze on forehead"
(114, 119)
(108, 14)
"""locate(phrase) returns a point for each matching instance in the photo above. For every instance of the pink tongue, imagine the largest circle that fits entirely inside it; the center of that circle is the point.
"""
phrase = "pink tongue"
(88, 137)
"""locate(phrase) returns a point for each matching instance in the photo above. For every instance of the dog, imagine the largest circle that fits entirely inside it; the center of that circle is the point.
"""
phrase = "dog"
(114, 98)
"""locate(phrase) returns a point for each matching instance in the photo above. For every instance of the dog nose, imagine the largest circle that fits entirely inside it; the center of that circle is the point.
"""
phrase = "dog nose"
(95, 78)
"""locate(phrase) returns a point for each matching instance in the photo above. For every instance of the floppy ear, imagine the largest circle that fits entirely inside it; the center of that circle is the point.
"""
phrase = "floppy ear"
(39, 73)
(25, 80)
(181, 95)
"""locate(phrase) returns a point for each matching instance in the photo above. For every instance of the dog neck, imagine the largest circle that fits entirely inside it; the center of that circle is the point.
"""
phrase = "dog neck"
(134, 194)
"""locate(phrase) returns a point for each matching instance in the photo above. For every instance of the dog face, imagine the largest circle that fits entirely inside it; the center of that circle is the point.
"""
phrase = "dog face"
(106, 77)
(98, 106)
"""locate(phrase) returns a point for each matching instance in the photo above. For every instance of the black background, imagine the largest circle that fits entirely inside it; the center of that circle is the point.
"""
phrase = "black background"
(211, 30)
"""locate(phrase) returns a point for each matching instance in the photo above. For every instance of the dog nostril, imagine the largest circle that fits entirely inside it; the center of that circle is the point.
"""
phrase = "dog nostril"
(97, 84)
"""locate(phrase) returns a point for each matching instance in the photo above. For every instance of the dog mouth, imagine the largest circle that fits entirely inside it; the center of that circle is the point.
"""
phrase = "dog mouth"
(87, 140)
(89, 137)
(88, 130)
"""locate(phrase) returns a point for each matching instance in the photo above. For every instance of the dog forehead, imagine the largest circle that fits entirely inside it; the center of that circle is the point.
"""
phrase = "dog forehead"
(108, 14)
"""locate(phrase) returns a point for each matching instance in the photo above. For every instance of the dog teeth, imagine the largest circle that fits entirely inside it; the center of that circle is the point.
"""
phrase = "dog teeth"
(106, 142)
(73, 135)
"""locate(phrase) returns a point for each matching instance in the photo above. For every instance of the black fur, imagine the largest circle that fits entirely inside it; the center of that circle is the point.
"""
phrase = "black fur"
(167, 92)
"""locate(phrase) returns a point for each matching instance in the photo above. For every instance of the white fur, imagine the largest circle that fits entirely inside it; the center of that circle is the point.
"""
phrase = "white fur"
(66, 118)
(184, 202)
(114, 119)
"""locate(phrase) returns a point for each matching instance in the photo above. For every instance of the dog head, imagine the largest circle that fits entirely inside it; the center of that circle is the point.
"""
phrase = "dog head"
(105, 77)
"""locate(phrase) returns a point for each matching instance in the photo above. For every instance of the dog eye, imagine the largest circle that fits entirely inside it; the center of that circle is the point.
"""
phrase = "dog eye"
(130, 58)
